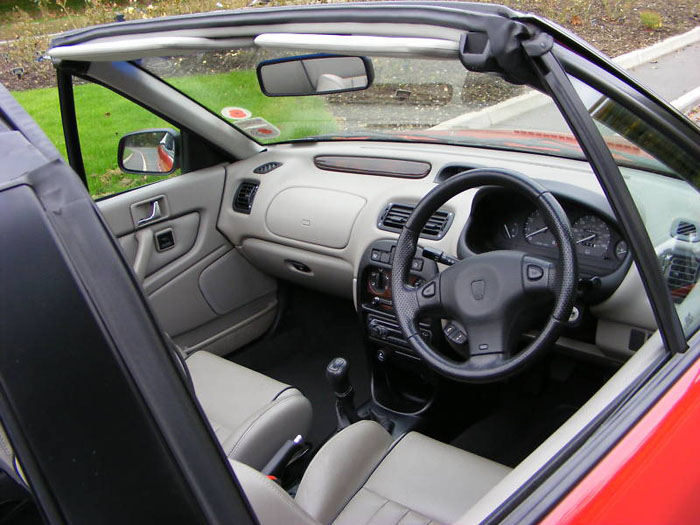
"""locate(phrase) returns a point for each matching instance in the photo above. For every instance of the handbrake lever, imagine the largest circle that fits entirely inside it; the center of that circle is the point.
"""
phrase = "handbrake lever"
(282, 457)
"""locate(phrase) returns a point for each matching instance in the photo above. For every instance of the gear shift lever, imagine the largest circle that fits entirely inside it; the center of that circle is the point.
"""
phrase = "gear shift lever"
(337, 374)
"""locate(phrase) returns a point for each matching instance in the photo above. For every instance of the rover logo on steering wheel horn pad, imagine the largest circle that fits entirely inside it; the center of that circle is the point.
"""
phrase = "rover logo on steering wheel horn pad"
(479, 289)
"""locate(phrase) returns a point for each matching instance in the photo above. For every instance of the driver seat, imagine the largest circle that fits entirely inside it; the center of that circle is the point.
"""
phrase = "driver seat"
(362, 476)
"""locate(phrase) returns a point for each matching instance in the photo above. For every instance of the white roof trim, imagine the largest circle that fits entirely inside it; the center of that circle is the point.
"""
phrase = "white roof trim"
(121, 49)
(134, 48)
(359, 44)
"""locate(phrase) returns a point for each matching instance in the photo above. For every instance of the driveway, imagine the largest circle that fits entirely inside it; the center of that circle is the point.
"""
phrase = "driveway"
(671, 76)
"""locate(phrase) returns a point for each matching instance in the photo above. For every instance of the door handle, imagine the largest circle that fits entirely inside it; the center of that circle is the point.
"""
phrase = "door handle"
(155, 214)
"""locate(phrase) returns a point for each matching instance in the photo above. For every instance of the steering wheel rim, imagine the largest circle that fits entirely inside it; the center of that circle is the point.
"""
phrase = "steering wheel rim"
(482, 291)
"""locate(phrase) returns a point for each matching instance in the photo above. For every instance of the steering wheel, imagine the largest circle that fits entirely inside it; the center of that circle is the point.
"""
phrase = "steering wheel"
(489, 294)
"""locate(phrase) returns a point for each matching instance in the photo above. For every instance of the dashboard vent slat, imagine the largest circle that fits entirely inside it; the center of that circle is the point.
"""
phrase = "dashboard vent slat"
(395, 216)
(245, 193)
(685, 230)
(267, 167)
(682, 273)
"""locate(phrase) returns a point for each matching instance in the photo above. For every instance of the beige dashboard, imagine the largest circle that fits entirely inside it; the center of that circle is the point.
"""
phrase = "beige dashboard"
(312, 226)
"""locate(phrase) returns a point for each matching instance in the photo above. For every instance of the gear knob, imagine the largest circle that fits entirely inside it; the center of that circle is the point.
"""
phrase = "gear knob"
(337, 373)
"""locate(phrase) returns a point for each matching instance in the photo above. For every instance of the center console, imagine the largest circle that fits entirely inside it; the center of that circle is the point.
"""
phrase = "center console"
(401, 382)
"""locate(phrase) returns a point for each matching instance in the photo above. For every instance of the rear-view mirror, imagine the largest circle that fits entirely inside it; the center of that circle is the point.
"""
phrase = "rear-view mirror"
(314, 75)
(149, 152)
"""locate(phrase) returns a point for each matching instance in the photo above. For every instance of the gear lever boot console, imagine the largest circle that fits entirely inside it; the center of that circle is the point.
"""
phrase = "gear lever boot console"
(337, 374)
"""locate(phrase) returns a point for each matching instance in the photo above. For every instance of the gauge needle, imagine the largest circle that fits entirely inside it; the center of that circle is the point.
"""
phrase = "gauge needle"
(532, 234)
(508, 235)
(592, 236)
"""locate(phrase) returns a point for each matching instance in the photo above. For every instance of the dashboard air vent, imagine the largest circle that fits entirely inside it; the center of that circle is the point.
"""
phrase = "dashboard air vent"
(243, 199)
(682, 273)
(395, 216)
(685, 230)
(267, 167)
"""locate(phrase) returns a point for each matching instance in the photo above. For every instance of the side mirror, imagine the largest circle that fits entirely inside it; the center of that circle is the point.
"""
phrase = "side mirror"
(314, 75)
(149, 152)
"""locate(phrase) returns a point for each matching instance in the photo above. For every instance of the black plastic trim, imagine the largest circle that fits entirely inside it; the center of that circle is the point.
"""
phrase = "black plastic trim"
(69, 121)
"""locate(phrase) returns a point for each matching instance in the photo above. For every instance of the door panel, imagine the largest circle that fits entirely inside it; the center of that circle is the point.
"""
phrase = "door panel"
(205, 294)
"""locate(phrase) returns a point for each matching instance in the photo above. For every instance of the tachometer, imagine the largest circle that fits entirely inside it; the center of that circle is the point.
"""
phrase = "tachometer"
(537, 232)
(592, 236)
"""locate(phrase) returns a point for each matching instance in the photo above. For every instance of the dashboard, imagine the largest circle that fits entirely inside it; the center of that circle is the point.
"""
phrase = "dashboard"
(298, 218)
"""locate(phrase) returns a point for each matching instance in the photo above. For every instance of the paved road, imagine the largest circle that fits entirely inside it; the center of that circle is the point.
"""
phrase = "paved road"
(142, 159)
(670, 76)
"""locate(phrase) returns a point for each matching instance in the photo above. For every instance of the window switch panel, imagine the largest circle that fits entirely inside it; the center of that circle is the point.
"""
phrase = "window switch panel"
(165, 240)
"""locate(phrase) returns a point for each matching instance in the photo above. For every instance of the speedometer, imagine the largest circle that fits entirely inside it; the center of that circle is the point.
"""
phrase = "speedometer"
(537, 232)
(592, 236)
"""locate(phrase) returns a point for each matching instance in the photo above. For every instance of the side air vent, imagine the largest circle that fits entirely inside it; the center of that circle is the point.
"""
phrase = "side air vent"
(682, 273)
(267, 167)
(243, 200)
(395, 216)
(685, 230)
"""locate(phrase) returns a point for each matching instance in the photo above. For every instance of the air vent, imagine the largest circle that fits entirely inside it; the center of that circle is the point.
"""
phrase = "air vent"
(267, 167)
(395, 216)
(243, 200)
(685, 230)
(682, 273)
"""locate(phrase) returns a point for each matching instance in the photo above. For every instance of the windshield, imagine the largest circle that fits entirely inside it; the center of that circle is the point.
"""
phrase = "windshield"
(421, 100)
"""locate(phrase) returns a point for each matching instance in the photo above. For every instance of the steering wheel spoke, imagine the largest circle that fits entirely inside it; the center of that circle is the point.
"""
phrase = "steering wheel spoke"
(487, 338)
(428, 297)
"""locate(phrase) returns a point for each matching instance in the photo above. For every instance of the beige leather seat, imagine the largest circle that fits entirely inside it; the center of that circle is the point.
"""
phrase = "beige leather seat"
(363, 476)
(252, 414)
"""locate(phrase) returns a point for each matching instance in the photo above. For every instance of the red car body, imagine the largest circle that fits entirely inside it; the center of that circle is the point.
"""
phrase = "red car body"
(653, 474)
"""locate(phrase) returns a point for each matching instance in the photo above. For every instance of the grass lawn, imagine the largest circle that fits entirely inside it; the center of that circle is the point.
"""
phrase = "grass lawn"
(103, 117)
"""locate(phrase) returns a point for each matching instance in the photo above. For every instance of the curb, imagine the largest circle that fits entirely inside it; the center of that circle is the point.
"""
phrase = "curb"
(665, 47)
(688, 101)
(515, 106)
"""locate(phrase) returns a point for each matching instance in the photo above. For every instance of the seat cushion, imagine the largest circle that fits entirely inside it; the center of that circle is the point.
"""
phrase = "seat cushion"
(422, 481)
(251, 414)
(360, 476)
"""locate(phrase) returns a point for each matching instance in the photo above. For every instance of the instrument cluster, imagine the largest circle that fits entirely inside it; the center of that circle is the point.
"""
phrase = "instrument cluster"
(502, 220)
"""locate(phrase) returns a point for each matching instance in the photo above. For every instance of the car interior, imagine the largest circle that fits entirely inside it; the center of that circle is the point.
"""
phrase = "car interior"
(295, 280)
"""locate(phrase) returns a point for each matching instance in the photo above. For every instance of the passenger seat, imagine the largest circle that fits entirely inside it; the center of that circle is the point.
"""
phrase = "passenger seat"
(251, 414)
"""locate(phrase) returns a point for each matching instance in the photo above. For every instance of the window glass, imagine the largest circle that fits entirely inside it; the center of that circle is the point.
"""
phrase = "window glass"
(669, 206)
(103, 118)
(411, 99)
